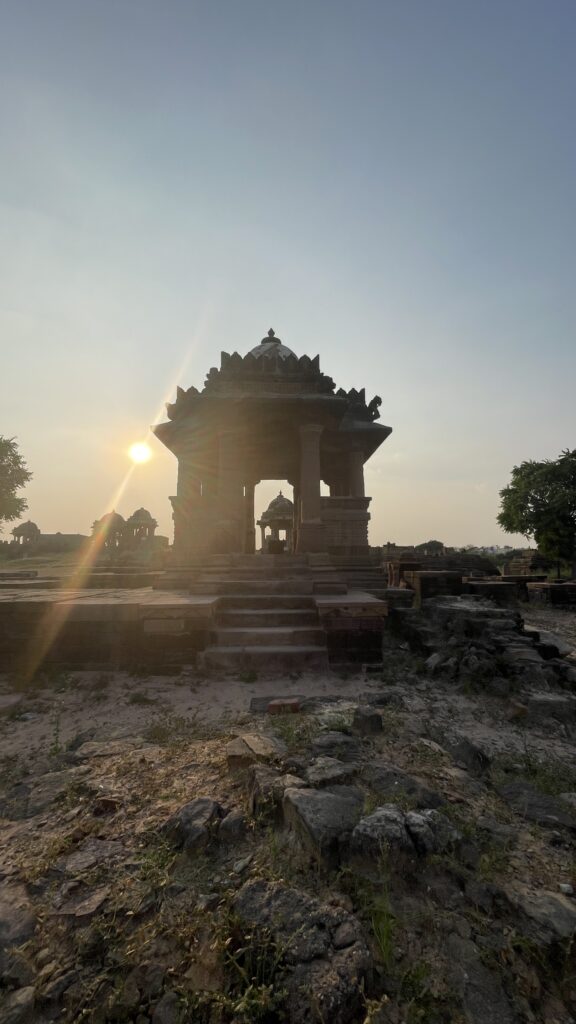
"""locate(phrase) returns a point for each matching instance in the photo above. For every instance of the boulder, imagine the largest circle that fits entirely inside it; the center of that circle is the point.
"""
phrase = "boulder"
(431, 832)
(167, 1009)
(337, 744)
(542, 808)
(465, 752)
(322, 946)
(484, 1000)
(189, 827)
(249, 748)
(559, 707)
(366, 721)
(391, 783)
(232, 827)
(322, 819)
(266, 787)
(548, 916)
(18, 1007)
(381, 833)
(329, 771)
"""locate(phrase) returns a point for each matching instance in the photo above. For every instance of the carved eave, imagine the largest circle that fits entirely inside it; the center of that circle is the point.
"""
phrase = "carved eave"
(185, 400)
(273, 367)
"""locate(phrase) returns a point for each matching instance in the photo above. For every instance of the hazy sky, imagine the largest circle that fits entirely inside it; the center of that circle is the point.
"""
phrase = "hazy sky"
(388, 183)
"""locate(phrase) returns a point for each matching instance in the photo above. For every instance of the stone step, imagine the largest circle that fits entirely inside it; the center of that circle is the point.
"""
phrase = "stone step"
(270, 660)
(244, 617)
(270, 636)
(239, 573)
(264, 586)
(285, 559)
(252, 602)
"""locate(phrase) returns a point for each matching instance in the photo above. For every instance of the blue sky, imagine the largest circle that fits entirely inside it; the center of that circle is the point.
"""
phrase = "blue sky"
(388, 184)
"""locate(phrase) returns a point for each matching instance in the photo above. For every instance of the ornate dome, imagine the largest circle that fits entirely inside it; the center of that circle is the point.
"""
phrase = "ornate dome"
(271, 346)
(279, 508)
(141, 515)
(26, 529)
(109, 522)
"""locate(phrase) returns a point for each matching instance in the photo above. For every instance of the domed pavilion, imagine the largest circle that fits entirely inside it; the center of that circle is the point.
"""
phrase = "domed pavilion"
(278, 518)
(270, 415)
(140, 527)
(26, 533)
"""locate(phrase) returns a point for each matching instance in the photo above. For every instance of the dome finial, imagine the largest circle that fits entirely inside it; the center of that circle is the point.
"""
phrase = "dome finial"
(271, 338)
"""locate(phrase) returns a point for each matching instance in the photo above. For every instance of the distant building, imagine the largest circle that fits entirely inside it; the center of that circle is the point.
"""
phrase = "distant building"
(30, 540)
(137, 533)
(26, 533)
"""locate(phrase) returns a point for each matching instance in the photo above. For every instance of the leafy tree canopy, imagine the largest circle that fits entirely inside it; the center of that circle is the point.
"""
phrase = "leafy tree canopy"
(13, 476)
(433, 546)
(540, 502)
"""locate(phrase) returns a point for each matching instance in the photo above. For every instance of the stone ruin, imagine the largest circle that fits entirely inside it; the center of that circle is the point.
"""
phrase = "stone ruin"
(270, 415)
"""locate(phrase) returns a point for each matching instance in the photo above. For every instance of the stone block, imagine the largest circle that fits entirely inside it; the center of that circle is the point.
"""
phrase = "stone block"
(366, 721)
(189, 827)
(329, 771)
(232, 827)
(284, 706)
(321, 819)
(252, 747)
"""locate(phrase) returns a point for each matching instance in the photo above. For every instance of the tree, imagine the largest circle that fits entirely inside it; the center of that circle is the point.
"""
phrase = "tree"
(431, 547)
(540, 503)
(13, 476)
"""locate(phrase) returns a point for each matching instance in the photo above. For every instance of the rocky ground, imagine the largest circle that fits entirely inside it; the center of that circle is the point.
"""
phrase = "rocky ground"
(398, 849)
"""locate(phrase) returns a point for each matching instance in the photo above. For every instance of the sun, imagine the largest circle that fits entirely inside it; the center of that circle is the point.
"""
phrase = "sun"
(140, 452)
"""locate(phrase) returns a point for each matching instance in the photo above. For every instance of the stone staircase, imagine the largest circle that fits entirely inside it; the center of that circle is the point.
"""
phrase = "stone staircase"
(362, 574)
(267, 619)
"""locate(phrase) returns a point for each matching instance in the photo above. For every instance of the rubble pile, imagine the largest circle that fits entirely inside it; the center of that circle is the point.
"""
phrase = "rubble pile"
(384, 851)
(471, 638)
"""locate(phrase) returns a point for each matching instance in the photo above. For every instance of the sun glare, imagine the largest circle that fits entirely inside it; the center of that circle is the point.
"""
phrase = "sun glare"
(140, 452)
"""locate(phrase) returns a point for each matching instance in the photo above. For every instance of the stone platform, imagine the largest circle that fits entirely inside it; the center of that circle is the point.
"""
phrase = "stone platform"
(243, 615)
(102, 628)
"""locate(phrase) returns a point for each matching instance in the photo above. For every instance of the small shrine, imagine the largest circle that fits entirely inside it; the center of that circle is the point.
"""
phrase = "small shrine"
(140, 527)
(110, 530)
(270, 415)
(26, 534)
(278, 518)
(119, 534)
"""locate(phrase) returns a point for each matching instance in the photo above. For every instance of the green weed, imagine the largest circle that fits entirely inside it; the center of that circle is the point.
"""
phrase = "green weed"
(55, 746)
(296, 731)
(383, 924)
(551, 777)
(156, 860)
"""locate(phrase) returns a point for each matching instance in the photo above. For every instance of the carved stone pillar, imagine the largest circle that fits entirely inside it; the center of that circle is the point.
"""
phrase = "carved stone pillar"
(295, 517)
(311, 532)
(263, 537)
(229, 519)
(187, 512)
(249, 528)
(356, 467)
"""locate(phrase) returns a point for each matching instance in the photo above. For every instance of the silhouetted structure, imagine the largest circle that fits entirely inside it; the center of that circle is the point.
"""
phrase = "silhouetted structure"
(270, 415)
(121, 535)
(278, 518)
(26, 534)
